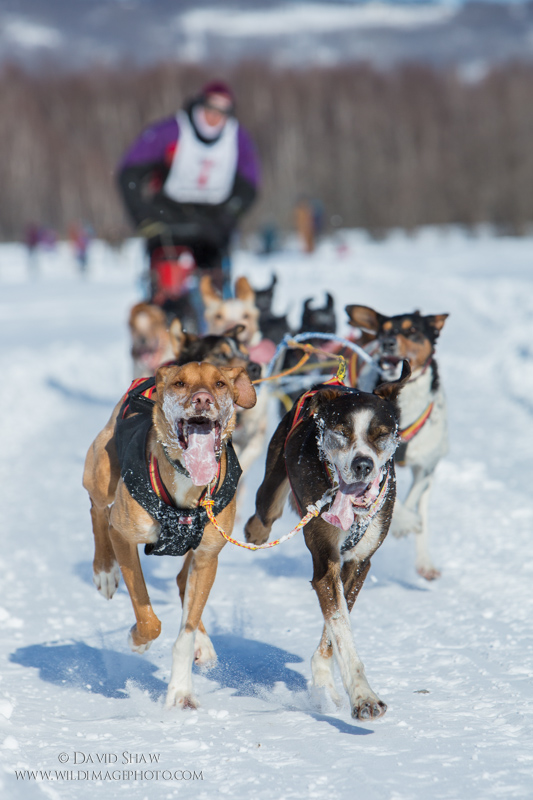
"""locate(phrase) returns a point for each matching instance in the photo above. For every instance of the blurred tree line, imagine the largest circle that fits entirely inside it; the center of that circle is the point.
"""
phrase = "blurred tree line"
(398, 149)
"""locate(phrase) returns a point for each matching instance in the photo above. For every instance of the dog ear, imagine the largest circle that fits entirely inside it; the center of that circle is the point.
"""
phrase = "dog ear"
(330, 304)
(234, 332)
(178, 338)
(324, 398)
(391, 389)
(243, 290)
(245, 396)
(437, 321)
(162, 377)
(208, 291)
(365, 318)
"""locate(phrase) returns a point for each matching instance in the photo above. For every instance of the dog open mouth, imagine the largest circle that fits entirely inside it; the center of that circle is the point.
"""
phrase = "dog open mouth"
(389, 363)
(351, 499)
(200, 440)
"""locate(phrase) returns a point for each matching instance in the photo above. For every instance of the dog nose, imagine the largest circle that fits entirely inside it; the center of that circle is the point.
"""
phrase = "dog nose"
(254, 370)
(362, 467)
(388, 344)
(202, 401)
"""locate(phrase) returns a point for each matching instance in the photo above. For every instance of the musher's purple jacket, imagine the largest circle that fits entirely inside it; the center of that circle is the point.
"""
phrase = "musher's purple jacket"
(142, 174)
(155, 143)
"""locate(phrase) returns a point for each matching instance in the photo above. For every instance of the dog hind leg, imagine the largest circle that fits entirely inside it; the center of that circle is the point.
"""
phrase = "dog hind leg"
(106, 572)
(272, 494)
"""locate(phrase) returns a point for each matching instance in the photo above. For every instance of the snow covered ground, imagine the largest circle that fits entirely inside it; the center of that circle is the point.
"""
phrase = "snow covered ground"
(453, 660)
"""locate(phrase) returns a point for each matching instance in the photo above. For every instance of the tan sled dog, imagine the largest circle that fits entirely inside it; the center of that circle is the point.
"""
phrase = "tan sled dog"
(151, 343)
(167, 444)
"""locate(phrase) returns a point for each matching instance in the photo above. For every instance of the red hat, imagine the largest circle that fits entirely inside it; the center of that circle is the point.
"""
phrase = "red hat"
(218, 87)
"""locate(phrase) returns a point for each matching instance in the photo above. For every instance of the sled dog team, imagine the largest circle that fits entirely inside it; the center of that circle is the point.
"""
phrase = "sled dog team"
(177, 442)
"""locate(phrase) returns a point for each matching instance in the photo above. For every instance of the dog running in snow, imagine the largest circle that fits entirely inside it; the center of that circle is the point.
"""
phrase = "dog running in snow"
(166, 446)
(340, 440)
(151, 343)
(423, 419)
(241, 310)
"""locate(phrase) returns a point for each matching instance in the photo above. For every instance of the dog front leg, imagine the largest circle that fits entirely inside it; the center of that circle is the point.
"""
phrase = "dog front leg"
(148, 626)
(365, 704)
(202, 572)
(204, 652)
(353, 576)
(407, 518)
(424, 564)
(412, 517)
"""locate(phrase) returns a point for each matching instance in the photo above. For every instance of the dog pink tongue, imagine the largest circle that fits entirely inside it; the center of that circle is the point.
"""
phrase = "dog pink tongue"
(199, 457)
(341, 513)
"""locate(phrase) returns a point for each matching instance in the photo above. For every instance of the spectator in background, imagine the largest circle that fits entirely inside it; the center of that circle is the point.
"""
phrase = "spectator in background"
(80, 238)
(305, 224)
(32, 238)
(188, 179)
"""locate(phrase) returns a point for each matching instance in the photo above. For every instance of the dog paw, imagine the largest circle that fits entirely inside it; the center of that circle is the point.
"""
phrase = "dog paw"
(135, 645)
(255, 532)
(107, 582)
(179, 699)
(139, 640)
(204, 652)
(428, 571)
(405, 522)
(368, 708)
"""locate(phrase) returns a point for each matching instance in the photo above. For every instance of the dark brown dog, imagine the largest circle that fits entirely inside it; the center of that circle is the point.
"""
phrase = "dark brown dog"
(339, 440)
(167, 451)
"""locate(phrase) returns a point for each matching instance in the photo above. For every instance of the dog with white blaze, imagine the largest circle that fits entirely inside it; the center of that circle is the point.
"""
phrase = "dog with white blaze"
(340, 441)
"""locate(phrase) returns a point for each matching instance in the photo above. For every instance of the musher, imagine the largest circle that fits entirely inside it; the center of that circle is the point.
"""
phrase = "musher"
(186, 181)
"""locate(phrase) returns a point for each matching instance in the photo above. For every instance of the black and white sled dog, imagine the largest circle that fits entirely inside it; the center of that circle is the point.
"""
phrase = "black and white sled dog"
(423, 420)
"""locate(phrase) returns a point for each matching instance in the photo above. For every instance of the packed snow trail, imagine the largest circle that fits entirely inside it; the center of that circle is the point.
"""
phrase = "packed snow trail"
(453, 659)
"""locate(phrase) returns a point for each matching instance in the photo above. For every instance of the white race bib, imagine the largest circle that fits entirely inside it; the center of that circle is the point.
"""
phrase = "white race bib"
(202, 173)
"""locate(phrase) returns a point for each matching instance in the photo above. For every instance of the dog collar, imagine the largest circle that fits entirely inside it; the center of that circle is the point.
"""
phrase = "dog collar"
(406, 434)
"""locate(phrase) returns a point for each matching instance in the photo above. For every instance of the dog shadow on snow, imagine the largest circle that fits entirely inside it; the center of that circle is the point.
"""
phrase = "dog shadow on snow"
(249, 667)
(96, 670)
(253, 668)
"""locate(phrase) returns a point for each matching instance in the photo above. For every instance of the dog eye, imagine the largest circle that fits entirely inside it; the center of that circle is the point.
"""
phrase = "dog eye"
(340, 435)
(180, 384)
(220, 384)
